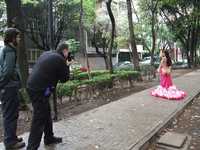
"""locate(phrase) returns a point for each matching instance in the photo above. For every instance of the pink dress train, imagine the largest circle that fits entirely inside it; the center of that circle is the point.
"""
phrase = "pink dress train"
(166, 89)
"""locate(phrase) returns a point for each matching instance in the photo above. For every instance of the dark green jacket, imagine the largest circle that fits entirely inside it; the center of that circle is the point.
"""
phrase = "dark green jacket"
(9, 70)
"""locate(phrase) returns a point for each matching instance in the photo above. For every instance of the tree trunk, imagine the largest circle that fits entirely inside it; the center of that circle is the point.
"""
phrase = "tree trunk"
(82, 39)
(132, 37)
(153, 43)
(188, 54)
(15, 19)
(51, 25)
(153, 39)
(81, 29)
(102, 54)
(108, 4)
(105, 59)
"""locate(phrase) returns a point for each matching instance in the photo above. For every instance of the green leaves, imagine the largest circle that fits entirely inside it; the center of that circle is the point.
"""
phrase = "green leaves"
(33, 2)
(73, 45)
(101, 79)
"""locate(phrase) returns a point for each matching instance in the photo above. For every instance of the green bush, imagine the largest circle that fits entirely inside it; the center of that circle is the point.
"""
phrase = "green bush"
(81, 76)
(124, 69)
(99, 72)
(148, 69)
(127, 74)
(100, 80)
(66, 89)
(84, 75)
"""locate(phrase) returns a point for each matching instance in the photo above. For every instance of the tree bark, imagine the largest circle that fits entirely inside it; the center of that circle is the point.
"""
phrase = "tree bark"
(102, 54)
(190, 31)
(81, 29)
(132, 37)
(108, 5)
(82, 39)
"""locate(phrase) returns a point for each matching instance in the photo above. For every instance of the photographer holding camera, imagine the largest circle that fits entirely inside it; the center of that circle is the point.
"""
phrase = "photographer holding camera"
(50, 68)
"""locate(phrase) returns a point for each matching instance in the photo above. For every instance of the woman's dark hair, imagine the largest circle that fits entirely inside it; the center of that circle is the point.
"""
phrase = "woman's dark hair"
(169, 62)
(61, 46)
(10, 34)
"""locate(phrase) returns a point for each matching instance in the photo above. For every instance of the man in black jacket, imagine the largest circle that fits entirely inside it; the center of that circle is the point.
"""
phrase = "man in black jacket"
(50, 68)
(9, 85)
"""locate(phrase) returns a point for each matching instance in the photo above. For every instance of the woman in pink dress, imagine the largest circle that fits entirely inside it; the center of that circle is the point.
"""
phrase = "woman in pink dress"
(166, 89)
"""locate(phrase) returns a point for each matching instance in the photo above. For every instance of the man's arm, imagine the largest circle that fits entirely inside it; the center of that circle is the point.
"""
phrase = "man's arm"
(65, 73)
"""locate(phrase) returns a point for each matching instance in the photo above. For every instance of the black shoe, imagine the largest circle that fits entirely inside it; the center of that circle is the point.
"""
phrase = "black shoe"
(16, 145)
(52, 140)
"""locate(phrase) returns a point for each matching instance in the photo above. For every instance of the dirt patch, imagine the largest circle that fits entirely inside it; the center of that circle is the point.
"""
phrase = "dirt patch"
(69, 109)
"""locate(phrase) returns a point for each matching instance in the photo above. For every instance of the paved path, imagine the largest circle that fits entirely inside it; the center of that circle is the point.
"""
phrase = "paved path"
(124, 124)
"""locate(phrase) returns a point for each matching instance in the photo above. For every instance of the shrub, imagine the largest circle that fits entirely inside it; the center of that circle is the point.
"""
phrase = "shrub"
(84, 75)
(100, 80)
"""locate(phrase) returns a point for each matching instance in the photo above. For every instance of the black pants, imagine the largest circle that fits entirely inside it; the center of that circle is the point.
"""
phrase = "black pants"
(10, 111)
(41, 121)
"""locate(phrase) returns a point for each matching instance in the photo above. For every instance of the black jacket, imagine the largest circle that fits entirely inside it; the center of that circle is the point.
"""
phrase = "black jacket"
(49, 69)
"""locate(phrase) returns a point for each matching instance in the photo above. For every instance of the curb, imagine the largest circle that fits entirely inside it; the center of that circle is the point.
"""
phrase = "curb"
(143, 143)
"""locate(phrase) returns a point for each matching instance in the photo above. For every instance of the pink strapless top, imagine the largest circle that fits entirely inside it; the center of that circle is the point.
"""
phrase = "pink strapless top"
(165, 79)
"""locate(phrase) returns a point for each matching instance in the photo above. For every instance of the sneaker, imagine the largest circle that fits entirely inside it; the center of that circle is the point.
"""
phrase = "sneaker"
(52, 140)
(16, 145)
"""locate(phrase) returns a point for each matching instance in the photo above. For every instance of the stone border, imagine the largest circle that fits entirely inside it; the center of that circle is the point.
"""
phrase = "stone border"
(147, 140)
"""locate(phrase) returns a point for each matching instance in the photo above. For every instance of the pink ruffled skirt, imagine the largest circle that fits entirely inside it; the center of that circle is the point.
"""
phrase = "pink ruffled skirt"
(168, 93)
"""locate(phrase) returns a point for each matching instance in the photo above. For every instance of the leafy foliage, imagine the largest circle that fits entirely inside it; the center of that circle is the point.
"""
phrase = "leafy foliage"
(2, 16)
(122, 42)
(101, 79)
(73, 45)
(183, 19)
(65, 20)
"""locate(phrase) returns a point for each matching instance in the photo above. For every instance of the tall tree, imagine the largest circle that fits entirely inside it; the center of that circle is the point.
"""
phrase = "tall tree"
(149, 18)
(65, 22)
(81, 30)
(153, 12)
(183, 19)
(108, 5)
(82, 37)
(66, 17)
(101, 40)
(15, 19)
(132, 36)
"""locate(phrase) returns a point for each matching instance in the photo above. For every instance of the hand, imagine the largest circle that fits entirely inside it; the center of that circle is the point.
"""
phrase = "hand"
(163, 60)
(69, 62)
(161, 52)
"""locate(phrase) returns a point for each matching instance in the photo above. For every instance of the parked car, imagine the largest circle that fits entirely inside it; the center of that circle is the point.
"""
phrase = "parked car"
(123, 55)
(124, 65)
(147, 60)
(180, 64)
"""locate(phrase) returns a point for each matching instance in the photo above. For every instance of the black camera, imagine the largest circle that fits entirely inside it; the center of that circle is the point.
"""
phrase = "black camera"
(70, 57)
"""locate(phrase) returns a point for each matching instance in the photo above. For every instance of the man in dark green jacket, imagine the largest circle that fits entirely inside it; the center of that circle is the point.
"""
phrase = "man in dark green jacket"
(9, 86)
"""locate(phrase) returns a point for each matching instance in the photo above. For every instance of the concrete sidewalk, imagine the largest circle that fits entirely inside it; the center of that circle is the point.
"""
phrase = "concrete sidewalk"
(124, 124)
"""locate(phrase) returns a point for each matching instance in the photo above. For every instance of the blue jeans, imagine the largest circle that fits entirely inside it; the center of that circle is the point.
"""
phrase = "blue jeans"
(10, 111)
